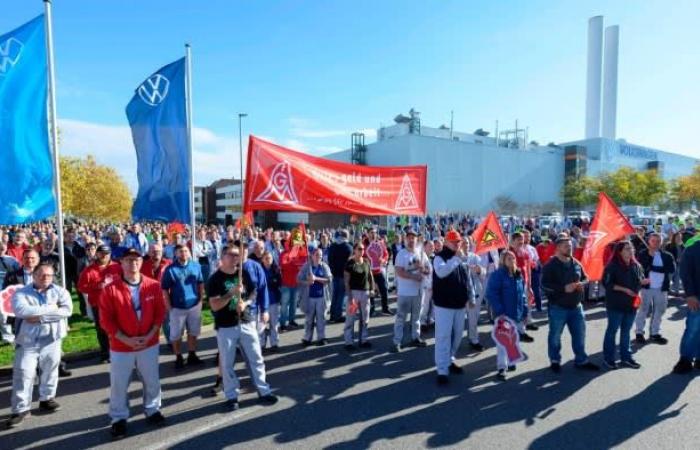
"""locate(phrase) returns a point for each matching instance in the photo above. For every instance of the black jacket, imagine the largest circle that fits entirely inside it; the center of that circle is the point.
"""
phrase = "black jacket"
(667, 268)
(617, 273)
(454, 290)
(690, 270)
(338, 255)
(12, 278)
(556, 275)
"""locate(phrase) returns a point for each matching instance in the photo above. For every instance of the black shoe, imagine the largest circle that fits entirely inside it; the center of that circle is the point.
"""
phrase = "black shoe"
(511, 368)
(683, 366)
(424, 328)
(193, 360)
(610, 365)
(350, 347)
(455, 369)
(321, 342)
(387, 312)
(631, 363)
(524, 337)
(639, 339)
(365, 344)
(555, 367)
(218, 387)
(231, 405)
(531, 327)
(269, 399)
(476, 347)
(283, 328)
(587, 366)
(395, 348)
(119, 429)
(293, 325)
(63, 371)
(16, 420)
(442, 380)
(156, 419)
(275, 349)
(418, 343)
(104, 359)
(501, 375)
(49, 406)
(305, 343)
(658, 339)
(179, 362)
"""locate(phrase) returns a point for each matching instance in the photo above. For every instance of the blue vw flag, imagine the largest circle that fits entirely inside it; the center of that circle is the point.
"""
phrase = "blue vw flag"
(26, 169)
(158, 123)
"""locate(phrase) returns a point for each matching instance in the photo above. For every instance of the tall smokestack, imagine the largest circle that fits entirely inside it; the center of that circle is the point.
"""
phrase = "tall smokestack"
(593, 77)
(612, 44)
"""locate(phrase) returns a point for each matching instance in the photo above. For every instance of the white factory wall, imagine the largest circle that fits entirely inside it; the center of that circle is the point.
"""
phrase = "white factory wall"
(469, 177)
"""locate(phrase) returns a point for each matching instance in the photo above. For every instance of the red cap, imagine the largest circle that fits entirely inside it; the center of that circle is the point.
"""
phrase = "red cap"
(453, 236)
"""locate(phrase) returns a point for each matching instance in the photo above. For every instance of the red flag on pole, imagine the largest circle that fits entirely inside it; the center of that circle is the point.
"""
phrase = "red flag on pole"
(489, 235)
(609, 225)
(245, 220)
(281, 179)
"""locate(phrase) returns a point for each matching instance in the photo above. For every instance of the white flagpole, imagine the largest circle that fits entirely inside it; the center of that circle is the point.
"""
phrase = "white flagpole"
(188, 103)
(53, 130)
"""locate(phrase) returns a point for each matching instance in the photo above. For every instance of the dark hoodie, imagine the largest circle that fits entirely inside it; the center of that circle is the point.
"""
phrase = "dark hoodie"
(617, 272)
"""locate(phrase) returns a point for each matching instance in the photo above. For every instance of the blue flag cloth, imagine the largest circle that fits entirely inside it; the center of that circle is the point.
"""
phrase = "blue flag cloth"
(26, 169)
(157, 116)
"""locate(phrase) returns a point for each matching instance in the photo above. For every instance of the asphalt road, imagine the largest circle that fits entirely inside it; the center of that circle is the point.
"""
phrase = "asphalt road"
(371, 398)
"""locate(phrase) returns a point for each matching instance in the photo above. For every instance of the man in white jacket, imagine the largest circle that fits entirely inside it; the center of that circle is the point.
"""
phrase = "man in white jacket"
(42, 309)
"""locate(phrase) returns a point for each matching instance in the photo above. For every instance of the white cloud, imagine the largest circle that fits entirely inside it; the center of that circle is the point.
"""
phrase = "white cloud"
(214, 156)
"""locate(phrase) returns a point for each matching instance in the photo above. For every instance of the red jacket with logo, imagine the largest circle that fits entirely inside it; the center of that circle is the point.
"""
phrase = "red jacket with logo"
(151, 271)
(90, 281)
(117, 312)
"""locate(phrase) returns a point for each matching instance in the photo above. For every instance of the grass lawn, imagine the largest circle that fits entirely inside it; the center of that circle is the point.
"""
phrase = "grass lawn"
(81, 336)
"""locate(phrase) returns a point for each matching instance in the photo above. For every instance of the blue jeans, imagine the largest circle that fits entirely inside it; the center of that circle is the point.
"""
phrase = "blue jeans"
(575, 321)
(623, 321)
(690, 342)
(337, 299)
(288, 303)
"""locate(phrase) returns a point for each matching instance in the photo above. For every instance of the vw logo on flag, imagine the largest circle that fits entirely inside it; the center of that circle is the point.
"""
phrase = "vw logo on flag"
(10, 51)
(154, 90)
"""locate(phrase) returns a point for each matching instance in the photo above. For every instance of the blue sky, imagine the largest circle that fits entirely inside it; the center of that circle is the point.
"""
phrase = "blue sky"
(309, 73)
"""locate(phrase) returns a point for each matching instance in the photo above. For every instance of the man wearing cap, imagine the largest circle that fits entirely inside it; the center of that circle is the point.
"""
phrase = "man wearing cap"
(564, 281)
(92, 283)
(411, 267)
(132, 311)
(183, 290)
(451, 291)
(41, 309)
(338, 254)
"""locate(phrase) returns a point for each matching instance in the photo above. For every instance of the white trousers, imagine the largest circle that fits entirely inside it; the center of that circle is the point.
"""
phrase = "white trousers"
(427, 310)
(449, 327)
(473, 313)
(363, 313)
(46, 354)
(122, 365)
(657, 301)
(315, 314)
(406, 305)
(228, 338)
(272, 330)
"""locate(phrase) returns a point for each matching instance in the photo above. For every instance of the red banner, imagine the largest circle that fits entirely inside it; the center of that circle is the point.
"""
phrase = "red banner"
(489, 235)
(281, 179)
(609, 225)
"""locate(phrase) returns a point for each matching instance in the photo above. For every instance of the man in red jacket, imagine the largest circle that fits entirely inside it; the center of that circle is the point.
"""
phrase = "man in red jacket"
(132, 312)
(92, 283)
(153, 267)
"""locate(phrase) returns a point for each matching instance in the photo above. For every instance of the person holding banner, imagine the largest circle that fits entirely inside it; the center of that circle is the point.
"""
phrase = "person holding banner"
(451, 292)
(564, 281)
(623, 278)
(506, 293)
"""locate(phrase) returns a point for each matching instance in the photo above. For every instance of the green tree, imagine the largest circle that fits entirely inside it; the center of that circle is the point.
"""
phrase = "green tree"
(93, 191)
(633, 187)
(579, 192)
(686, 189)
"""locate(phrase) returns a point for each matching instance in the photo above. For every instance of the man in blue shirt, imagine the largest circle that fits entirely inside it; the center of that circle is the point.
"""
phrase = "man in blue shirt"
(183, 289)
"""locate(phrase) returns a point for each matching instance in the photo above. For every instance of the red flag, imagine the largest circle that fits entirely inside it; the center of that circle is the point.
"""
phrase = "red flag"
(489, 235)
(281, 179)
(245, 220)
(174, 229)
(609, 225)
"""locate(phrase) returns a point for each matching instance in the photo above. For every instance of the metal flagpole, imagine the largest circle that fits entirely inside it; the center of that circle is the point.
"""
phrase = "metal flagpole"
(53, 129)
(188, 105)
(241, 219)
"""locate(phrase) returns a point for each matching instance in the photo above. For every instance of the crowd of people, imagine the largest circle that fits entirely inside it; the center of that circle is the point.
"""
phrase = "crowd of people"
(139, 281)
